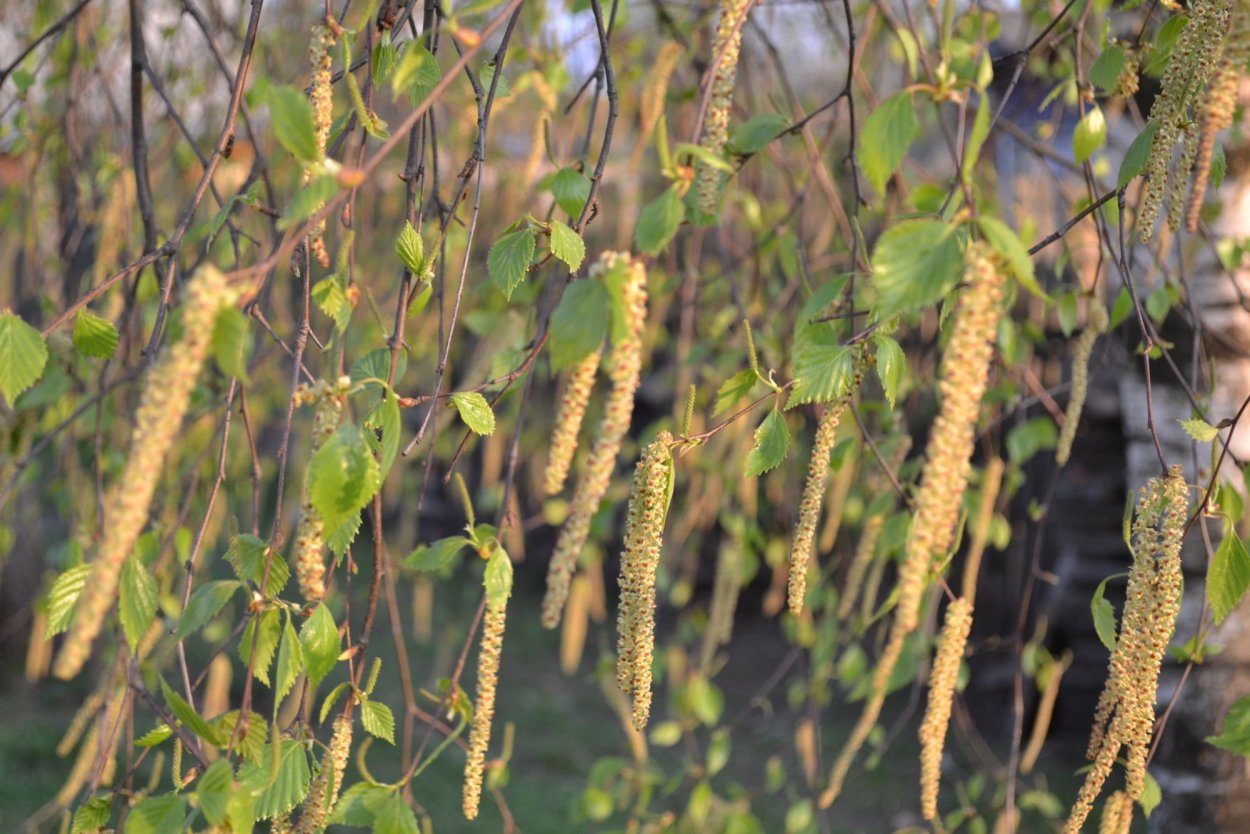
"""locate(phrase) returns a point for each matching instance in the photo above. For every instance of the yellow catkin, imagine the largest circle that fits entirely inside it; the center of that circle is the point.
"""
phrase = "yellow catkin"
(1080, 379)
(726, 587)
(1127, 82)
(484, 706)
(1217, 107)
(323, 792)
(963, 380)
(1180, 178)
(157, 422)
(937, 714)
(422, 609)
(103, 730)
(569, 421)
(1045, 712)
(310, 566)
(1117, 814)
(1125, 714)
(835, 504)
(651, 102)
(644, 539)
(726, 47)
(866, 547)
(624, 372)
(574, 625)
(991, 483)
(38, 647)
(322, 100)
(217, 686)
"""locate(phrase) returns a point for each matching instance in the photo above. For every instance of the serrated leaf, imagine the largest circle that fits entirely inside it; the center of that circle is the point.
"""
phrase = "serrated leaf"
(332, 300)
(214, 791)
(772, 443)
(395, 817)
(251, 740)
(1136, 156)
(1219, 166)
(343, 476)
(93, 335)
(205, 603)
(157, 815)
(567, 245)
(359, 804)
(389, 426)
(378, 720)
(291, 117)
(23, 354)
(509, 260)
(1199, 429)
(411, 249)
(417, 73)
(154, 736)
(498, 578)
(339, 540)
(891, 366)
(282, 788)
(290, 661)
(1151, 795)
(822, 373)
(190, 719)
(734, 390)
(137, 600)
(1235, 734)
(1228, 575)
(580, 324)
(91, 815)
(265, 630)
(659, 222)
(475, 411)
(571, 188)
(886, 137)
(230, 342)
(63, 597)
(320, 638)
(1105, 71)
(248, 556)
(1104, 616)
(1008, 244)
(330, 700)
(916, 263)
(1090, 134)
(755, 133)
(308, 200)
(435, 556)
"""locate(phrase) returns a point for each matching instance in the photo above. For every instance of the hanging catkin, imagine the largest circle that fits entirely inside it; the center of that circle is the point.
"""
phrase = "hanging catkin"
(484, 705)
(157, 422)
(866, 547)
(725, 51)
(324, 790)
(624, 372)
(937, 714)
(310, 567)
(964, 378)
(1080, 379)
(322, 100)
(569, 421)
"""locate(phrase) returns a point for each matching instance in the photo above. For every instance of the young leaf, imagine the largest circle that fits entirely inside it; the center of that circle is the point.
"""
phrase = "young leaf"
(205, 603)
(292, 119)
(1104, 616)
(1199, 429)
(1136, 156)
(475, 411)
(1008, 244)
(359, 805)
(281, 780)
(1151, 796)
(916, 263)
(230, 342)
(734, 389)
(498, 578)
(567, 245)
(343, 476)
(1235, 734)
(891, 366)
(320, 638)
(418, 73)
(330, 298)
(822, 373)
(1228, 575)
(249, 555)
(157, 815)
(755, 133)
(213, 791)
(1105, 71)
(290, 661)
(189, 718)
(436, 556)
(509, 260)
(94, 336)
(580, 323)
(571, 188)
(92, 815)
(659, 221)
(395, 817)
(1090, 134)
(378, 720)
(389, 423)
(23, 353)
(136, 604)
(886, 137)
(265, 631)
(63, 597)
(411, 249)
(772, 443)
(308, 200)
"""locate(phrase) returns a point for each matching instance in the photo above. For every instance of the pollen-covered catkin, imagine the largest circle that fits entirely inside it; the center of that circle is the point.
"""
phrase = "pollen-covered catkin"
(322, 95)
(964, 377)
(1117, 814)
(569, 422)
(1216, 109)
(310, 567)
(1080, 379)
(937, 714)
(644, 540)
(726, 47)
(324, 790)
(484, 705)
(623, 372)
(157, 422)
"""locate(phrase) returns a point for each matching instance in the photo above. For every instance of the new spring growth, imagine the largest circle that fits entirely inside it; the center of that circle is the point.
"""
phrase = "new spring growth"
(484, 707)
(162, 406)
(623, 372)
(1117, 814)
(964, 378)
(569, 422)
(726, 47)
(1216, 109)
(1125, 714)
(322, 99)
(644, 539)
(323, 793)
(1080, 379)
(937, 714)
(310, 568)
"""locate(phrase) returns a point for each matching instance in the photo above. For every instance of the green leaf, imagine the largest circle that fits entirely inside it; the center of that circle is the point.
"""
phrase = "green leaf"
(332, 300)
(331, 700)
(734, 390)
(282, 787)
(1235, 734)
(498, 578)
(63, 597)
(340, 539)
(251, 743)
(1228, 575)
(1090, 134)
(659, 222)
(418, 73)
(23, 353)
(571, 188)
(290, 661)
(383, 59)
(343, 476)
(189, 718)
(137, 601)
(436, 556)
(1030, 437)
(320, 638)
(1151, 795)
(822, 373)
(886, 137)
(388, 423)
(411, 249)
(359, 804)
(157, 815)
(214, 791)
(1008, 244)
(292, 120)
(265, 630)
(475, 411)
(395, 817)
(1105, 71)
(376, 364)
(230, 342)
(94, 336)
(1219, 166)
(1104, 616)
(509, 260)
(248, 556)
(308, 200)
(1165, 40)
(580, 324)
(91, 815)
(1199, 429)
(916, 263)
(154, 736)
(772, 443)
(205, 603)
(378, 720)
(567, 245)
(1066, 311)
(1136, 157)
(891, 366)
(753, 135)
